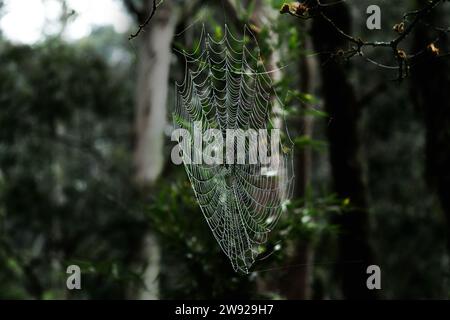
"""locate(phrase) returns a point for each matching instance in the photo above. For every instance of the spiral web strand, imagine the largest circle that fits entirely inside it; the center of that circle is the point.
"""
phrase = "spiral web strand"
(227, 87)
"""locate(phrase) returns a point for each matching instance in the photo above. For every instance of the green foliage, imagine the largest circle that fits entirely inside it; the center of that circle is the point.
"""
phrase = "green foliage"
(64, 129)
(193, 264)
(305, 141)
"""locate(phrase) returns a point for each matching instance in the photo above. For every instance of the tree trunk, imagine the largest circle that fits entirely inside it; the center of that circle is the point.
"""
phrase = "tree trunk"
(344, 147)
(430, 80)
(155, 52)
(297, 282)
(154, 57)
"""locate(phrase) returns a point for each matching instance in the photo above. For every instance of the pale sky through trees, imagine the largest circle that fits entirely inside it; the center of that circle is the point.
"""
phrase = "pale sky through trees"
(27, 21)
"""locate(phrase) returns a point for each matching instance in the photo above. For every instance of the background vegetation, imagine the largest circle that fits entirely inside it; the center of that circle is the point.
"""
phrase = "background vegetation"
(372, 162)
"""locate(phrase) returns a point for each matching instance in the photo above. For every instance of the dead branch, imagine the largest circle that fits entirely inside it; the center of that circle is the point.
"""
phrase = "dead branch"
(404, 29)
(132, 7)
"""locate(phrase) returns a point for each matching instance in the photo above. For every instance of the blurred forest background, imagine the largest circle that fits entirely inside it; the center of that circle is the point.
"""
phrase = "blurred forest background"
(86, 176)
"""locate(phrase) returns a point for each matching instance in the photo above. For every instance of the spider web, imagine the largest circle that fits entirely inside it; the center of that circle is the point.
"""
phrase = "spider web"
(227, 87)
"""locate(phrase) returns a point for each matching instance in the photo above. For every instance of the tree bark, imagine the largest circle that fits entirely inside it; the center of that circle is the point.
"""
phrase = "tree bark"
(155, 52)
(153, 66)
(430, 80)
(297, 282)
(344, 148)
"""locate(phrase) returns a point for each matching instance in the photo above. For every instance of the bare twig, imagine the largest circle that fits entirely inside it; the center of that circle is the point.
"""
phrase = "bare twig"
(146, 22)
(303, 11)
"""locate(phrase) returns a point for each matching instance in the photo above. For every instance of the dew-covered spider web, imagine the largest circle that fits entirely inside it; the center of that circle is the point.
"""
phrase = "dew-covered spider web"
(226, 86)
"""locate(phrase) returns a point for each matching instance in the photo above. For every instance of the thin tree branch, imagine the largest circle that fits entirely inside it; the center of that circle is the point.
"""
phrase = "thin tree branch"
(303, 11)
(147, 21)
